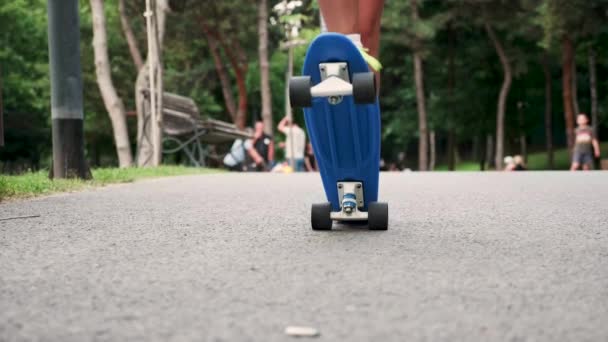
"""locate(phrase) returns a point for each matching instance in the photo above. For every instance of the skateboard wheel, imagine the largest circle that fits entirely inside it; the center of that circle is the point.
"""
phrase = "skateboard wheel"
(364, 87)
(320, 216)
(299, 91)
(377, 215)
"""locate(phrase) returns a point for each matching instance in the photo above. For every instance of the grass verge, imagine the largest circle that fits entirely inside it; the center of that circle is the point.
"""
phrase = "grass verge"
(37, 183)
(536, 161)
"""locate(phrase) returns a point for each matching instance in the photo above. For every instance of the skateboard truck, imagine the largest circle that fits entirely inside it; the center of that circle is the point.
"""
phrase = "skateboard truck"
(350, 195)
(335, 84)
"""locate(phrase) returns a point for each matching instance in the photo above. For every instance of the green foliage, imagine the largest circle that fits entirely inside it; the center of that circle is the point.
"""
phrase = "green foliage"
(462, 71)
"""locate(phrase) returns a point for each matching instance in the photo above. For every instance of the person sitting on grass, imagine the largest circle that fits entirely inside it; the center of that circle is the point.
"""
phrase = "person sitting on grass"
(586, 145)
(236, 159)
(264, 145)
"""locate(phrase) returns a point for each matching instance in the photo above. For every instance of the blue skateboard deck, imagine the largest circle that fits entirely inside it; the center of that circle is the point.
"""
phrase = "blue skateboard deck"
(345, 136)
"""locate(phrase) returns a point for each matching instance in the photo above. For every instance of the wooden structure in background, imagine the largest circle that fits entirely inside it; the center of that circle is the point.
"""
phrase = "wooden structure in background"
(184, 130)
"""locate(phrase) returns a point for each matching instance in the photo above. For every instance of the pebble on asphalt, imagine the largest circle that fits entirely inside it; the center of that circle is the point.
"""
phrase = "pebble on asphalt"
(296, 331)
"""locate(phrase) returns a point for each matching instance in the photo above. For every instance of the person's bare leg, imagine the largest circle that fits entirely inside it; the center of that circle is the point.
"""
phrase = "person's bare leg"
(586, 167)
(341, 16)
(370, 15)
(574, 166)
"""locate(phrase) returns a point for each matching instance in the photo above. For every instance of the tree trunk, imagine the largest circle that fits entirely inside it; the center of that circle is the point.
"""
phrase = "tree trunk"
(264, 67)
(145, 138)
(451, 86)
(237, 59)
(112, 101)
(433, 150)
(481, 155)
(523, 145)
(575, 105)
(222, 73)
(593, 90)
(490, 150)
(548, 110)
(241, 113)
(502, 97)
(420, 98)
(567, 60)
(129, 36)
(1, 112)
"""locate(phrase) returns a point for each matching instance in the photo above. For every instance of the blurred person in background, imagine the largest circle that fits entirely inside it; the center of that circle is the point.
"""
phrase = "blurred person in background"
(309, 159)
(520, 164)
(509, 163)
(264, 146)
(295, 142)
(235, 160)
(586, 145)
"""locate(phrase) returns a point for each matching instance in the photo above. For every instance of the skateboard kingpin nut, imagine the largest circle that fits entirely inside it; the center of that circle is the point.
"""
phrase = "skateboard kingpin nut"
(349, 203)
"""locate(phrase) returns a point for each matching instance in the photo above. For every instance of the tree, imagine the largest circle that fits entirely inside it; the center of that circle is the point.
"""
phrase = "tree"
(567, 89)
(593, 90)
(113, 102)
(570, 21)
(548, 109)
(420, 97)
(221, 24)
(264, 67)
(130, 36)
(220, 68)
(146, 139)
(502, 97)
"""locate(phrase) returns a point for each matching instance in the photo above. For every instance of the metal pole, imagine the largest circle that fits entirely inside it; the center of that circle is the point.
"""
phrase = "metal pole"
(288, 110)
(66, 90)
(152, 78)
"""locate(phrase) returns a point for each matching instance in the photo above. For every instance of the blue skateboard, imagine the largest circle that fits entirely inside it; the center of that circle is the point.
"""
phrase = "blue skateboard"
(338, 94)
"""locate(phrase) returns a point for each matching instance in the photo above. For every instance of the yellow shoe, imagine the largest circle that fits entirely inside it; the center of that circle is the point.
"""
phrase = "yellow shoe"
(371, 60)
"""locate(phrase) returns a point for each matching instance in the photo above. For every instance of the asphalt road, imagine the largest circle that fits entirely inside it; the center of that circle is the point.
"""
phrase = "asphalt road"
(231, 257)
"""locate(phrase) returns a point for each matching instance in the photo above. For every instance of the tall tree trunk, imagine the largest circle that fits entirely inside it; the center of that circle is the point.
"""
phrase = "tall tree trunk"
(1, 112)
(420, 98)
(241, 113)
(502, 97)
(112, 101)
(593, 90)
(238, 61)
(145, 138)
(451, 86)
(575, 105)
(264, 67)
(523, 145)
(548, 110)
(567, 60)
(129, 36)
(433, 152)
(481, 156)
(221, 71)
(490, 150)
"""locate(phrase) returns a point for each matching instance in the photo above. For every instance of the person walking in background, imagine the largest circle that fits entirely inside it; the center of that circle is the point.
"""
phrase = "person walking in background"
(586, 145)
(264, 145)
(309, 159)
(295, 142)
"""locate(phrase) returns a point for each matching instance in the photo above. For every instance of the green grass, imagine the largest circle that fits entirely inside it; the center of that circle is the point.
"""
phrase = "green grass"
(37, 183)
(536, 161)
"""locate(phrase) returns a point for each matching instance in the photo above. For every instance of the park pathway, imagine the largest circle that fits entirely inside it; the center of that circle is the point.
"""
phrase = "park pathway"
(231, 257)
